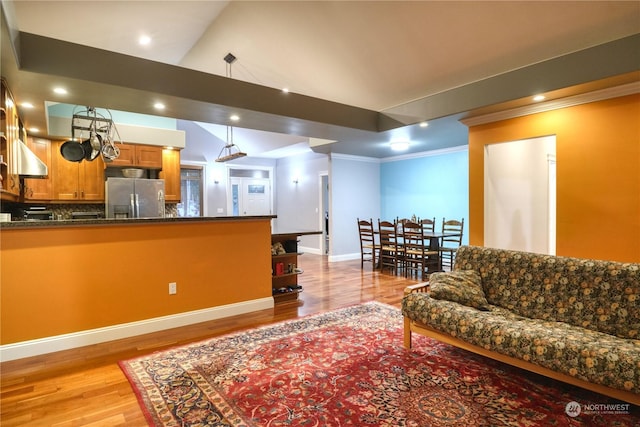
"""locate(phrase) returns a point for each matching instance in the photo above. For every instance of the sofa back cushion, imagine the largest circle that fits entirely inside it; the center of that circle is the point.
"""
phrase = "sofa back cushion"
(600, 295)
(461, 286)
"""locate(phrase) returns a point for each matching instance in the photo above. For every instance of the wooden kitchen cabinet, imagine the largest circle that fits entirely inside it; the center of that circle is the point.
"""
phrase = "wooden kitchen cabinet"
(171, 174)
(9, 134)
(39, 188)
(138, 155)
(80, 181)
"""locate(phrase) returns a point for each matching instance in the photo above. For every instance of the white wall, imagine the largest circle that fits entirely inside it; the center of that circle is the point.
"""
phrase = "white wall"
(354, 188)
(203, 148)
(298, 205)
(517, 196)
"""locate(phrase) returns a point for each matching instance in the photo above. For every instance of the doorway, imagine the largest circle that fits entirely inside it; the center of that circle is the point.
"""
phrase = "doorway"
(250, 191)
(519, 195)
(324, 211)
(191, 190)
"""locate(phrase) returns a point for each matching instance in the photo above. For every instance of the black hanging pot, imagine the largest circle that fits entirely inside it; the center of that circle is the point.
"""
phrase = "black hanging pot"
(91, 147)
(72, 151)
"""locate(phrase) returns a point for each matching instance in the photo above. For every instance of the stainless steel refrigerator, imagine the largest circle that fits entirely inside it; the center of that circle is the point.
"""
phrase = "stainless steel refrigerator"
(134, 198)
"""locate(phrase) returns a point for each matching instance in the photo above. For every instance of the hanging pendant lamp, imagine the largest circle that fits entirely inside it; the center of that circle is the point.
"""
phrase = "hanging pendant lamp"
(230, 151)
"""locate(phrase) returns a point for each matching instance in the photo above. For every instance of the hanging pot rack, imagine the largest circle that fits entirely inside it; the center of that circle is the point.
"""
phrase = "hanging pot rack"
(101, 133)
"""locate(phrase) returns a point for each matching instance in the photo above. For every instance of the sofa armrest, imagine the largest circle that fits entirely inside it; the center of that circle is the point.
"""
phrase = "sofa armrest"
(420, 287)
(417, 288)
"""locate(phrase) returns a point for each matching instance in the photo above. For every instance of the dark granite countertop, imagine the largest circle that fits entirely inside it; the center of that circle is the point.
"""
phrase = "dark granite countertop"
(279, 231)
(111, 221)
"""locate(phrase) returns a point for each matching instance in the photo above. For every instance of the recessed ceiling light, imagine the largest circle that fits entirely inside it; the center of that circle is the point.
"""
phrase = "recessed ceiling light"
(144, 40)
(27, 105)
(424, 124)
(60, 90)
(538, 98)
(234, 117)
(158, 106)
(400, 145)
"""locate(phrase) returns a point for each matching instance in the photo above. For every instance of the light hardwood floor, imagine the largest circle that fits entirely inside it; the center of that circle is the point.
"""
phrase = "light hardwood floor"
(85, 387)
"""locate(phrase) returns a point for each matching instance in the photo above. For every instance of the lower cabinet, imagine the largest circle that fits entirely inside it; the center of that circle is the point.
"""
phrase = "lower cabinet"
(284, 266)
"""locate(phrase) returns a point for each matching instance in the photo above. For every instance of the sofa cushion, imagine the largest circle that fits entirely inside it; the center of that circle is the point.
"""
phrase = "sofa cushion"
(594, 294)
(463, 287)
(582, 353)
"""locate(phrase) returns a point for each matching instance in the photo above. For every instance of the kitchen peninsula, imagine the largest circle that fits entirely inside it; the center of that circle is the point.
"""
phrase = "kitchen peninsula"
(72, 283)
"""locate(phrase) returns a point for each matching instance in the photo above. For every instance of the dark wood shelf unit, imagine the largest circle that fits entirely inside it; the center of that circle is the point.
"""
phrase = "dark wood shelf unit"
(284, 279)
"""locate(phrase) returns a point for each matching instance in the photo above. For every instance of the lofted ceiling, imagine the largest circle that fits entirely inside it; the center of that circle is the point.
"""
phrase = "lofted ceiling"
(361, 73)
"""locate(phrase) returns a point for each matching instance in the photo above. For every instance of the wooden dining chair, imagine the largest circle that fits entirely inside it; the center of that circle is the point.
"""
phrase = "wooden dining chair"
(450, 244)
(391, 252)
(368, 247)
(400, 223)
(428, 224)
(419, 260)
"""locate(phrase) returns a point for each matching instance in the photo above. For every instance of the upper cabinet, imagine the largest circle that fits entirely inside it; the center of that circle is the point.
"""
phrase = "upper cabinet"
(9, 134)
(171, 174)
(136, 155)
(39, 188)
(76, 181)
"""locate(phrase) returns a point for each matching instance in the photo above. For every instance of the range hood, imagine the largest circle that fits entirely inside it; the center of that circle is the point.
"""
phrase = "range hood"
(28, 165)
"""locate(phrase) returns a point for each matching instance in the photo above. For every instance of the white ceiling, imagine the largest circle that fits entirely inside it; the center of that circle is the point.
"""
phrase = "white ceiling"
(375, 55)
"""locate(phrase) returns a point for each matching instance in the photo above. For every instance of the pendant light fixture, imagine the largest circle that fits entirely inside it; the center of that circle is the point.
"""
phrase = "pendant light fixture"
(230, 151)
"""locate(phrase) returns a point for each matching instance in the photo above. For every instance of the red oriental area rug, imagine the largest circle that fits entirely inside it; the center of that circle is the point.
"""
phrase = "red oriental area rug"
(349, 368)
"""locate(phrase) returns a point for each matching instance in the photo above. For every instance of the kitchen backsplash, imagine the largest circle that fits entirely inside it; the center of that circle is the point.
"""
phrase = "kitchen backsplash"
(64, 211)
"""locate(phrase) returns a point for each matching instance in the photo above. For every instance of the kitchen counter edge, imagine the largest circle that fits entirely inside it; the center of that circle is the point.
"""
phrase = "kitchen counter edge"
(136, 221)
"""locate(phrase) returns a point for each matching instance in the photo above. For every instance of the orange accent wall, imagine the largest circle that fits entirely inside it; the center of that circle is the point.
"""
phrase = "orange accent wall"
(598, 175)
(66, 279)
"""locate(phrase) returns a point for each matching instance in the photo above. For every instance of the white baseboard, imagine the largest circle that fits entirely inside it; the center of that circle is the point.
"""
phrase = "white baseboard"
(94, 336)
(332, 258)
(344, 257)
(306, 250)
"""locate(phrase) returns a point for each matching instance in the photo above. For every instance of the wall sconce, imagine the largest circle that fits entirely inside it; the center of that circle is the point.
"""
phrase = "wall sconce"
(296, 180)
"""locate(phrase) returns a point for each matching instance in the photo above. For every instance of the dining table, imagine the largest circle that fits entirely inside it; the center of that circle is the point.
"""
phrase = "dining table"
(434, 242)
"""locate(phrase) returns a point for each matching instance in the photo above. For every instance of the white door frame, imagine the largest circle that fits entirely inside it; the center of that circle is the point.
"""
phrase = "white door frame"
(552, 173)
(248, 167)
(519, 207)
(203, 165)
(321, 218)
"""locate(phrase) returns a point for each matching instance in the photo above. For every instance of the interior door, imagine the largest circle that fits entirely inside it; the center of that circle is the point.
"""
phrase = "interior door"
(250, 196)
(256, 195)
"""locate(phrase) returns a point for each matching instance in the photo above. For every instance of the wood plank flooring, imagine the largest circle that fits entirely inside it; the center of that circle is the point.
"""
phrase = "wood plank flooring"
(85, 387)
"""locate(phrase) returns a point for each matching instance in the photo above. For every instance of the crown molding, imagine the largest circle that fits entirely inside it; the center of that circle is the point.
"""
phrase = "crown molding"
(354, 158)
(430, 153)
(571, 101)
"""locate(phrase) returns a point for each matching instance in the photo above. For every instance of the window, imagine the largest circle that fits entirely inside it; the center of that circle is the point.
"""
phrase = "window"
(191, 185)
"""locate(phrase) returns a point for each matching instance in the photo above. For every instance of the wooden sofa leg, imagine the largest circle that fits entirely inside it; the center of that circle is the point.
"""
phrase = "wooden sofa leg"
(407, 333)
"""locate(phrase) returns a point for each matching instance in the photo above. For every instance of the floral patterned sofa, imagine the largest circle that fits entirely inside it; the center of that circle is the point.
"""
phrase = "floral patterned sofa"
(575, 320)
